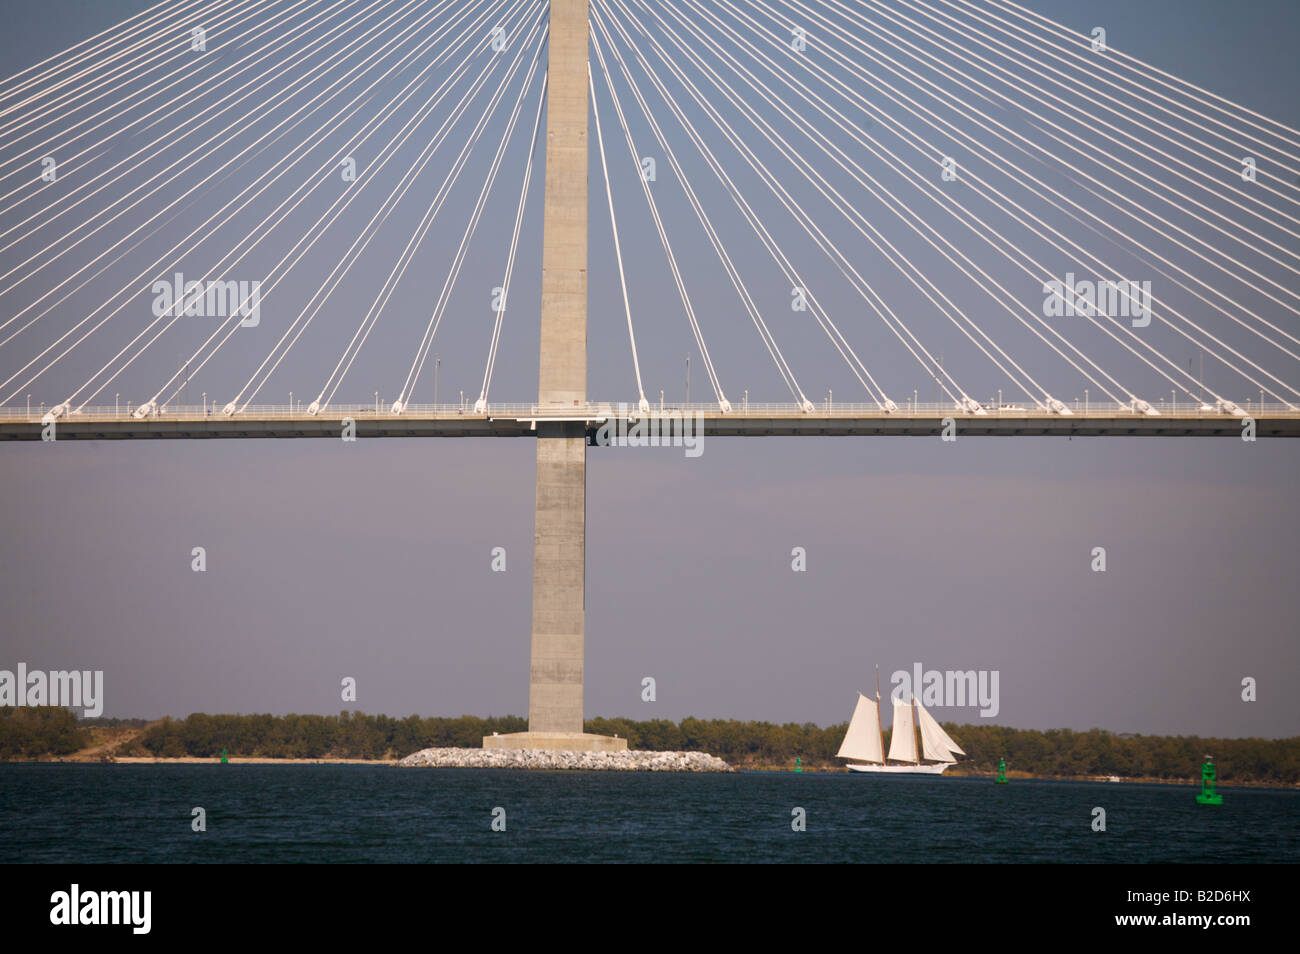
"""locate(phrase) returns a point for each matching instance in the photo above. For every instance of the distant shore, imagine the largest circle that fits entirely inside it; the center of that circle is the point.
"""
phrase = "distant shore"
(52, 733)
(766, 769)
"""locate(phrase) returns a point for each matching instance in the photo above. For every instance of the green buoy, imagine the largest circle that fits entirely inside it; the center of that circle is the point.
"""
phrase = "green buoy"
(798, 765)
(1208, 794)
(224, 760)
(1002, 771)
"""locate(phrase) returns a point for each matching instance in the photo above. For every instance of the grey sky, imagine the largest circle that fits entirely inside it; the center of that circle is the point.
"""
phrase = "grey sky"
(372, 559)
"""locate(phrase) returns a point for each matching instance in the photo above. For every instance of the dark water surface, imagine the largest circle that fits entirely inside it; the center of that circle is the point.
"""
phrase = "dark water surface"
(360, 813)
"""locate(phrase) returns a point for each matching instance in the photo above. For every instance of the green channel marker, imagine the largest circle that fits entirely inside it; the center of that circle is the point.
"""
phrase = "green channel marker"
(798, 766)
(1002, 771)
(1208, 794)
(224, 760)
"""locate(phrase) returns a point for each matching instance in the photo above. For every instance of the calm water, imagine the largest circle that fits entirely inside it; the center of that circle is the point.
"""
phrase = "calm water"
(357, 813)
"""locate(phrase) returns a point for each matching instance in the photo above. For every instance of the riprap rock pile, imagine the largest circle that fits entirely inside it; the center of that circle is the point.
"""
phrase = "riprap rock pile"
(629, 761)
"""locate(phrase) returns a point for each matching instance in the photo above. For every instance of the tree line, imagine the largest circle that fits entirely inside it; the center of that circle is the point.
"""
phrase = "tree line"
(31, 732)
(1054, 752)
(348, 735)
(27, 732)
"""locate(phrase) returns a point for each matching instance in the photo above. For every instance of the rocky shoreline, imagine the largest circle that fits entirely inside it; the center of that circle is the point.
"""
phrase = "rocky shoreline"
(628, 761)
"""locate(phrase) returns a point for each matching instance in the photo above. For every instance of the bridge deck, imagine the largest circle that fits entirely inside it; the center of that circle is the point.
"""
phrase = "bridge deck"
(517, 420)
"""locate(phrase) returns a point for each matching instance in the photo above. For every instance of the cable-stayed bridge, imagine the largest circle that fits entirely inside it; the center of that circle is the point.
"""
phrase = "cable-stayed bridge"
(835, 205)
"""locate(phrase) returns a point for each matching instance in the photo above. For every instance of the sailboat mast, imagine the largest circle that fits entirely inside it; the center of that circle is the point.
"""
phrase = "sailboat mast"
(916, 730)
(880, 726)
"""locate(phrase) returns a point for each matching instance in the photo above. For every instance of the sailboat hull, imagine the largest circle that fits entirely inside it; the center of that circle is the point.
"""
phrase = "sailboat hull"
(937, 768)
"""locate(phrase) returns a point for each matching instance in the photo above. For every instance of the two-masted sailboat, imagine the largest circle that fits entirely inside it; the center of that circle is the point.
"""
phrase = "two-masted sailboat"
(864, 743)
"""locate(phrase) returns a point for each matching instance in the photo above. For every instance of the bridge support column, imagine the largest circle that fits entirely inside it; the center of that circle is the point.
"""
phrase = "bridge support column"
(559, 538)
(559, 600)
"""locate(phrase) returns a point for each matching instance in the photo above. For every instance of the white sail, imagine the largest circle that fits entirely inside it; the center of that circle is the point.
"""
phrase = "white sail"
(936, 744)
(902, 744)
(862, 741)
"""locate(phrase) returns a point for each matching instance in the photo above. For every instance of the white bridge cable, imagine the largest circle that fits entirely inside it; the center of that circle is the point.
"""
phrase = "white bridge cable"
(373, 123)
(65, 104)
(688, 307)
(770, 178)
(909, 217)
(367, 233)
(118, 33)
(232, 132)
(1035, 52)
(845, 208)
(359, 68)
(819, 315)
(1126, 237)
(162, 143)
(934, 368)
(1074, 85)
(134, 43)
(855, 218)
(1020, 85)
(935, 155)
(353, 254)
(815, 308)
(444, 297)
(458, 165)
(336, 276)
(642, 404)
(514, 244)
(1001, 162)
(117, 110)
(827, 324)
(1069, 35)
(851, 94)
(1126, 207)
(116, 85)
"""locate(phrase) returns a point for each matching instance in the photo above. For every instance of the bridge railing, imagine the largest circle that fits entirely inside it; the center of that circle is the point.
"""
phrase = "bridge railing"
(604, 409)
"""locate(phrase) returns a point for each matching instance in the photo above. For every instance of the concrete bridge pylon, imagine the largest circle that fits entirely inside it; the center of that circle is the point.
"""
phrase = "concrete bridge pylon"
(560, 531)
